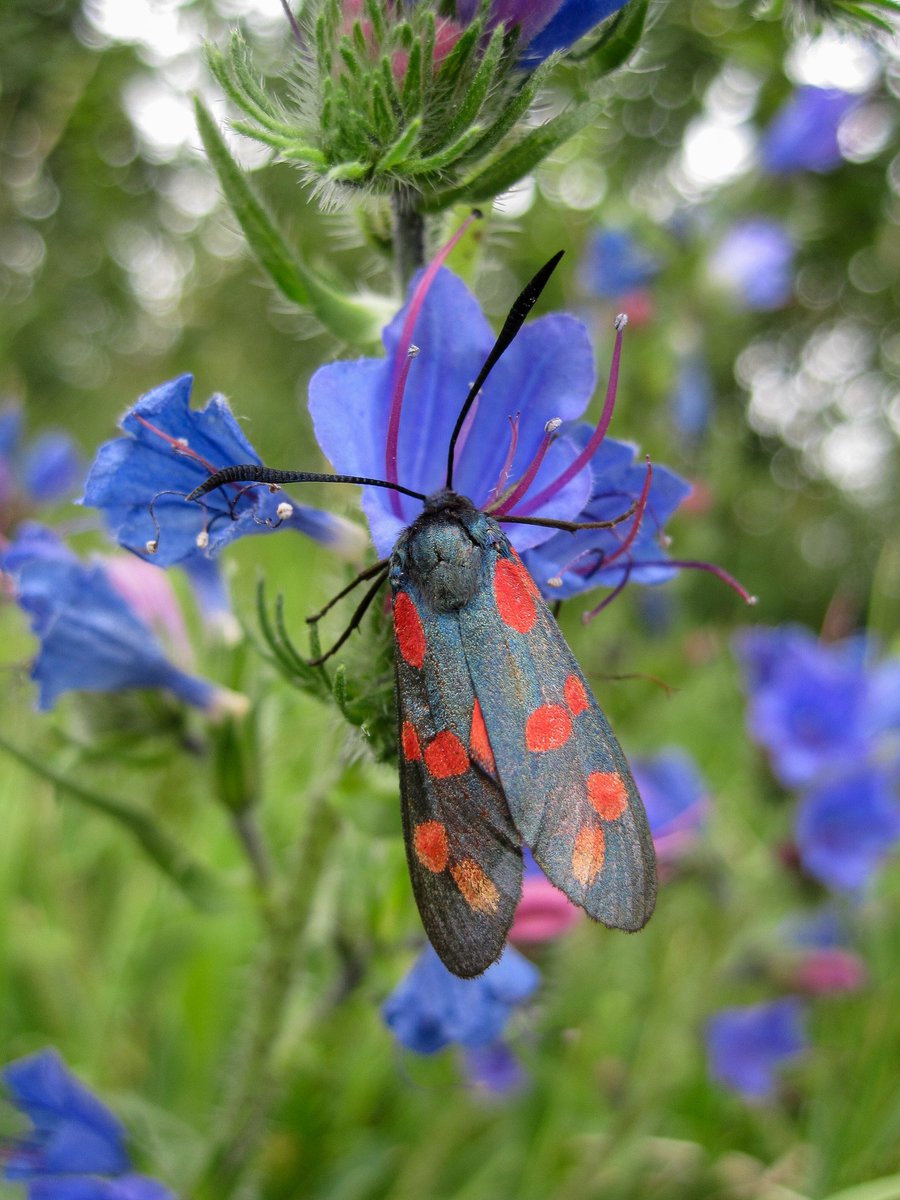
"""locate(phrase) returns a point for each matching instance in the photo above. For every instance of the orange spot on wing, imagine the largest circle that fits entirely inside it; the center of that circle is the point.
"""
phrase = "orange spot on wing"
(587, 854)
(514, 601)
(548, 728)
(478, 741)
(607, 793)
(576, 695)
(477, 889)
(409, 740)
(408, 631)
(445, 755)
(430, 845)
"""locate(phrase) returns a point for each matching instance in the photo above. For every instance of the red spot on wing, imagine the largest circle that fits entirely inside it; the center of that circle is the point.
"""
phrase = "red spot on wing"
(525, 574)
(548, 728)
(587, 854)
(475, 885)
(408, 631)
(478, 741)
(514, 601)
(430, 845)
(608, 794)
(409, 740)
(576, 695)
(445, 755)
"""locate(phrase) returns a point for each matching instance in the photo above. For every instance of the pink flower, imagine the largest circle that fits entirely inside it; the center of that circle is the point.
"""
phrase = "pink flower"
(544, 912)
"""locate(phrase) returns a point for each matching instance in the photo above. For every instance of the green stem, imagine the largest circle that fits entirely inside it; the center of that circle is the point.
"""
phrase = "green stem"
(409, 237)
(193, 879)
(253, 844)
(253, 1085)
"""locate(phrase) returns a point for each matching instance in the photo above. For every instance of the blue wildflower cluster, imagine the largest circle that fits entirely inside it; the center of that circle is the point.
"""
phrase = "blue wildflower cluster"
(829, 718)
(33, 473)
(74, 1148)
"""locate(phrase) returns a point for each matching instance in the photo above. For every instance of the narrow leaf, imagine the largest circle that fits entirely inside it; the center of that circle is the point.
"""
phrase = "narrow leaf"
(351, 320)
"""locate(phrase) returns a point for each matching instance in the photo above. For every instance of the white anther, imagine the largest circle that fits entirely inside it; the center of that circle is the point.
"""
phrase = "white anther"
(554, 581)
(284, 510)
(620, 322)
(202, 539)
(553, 424)
(152, 546)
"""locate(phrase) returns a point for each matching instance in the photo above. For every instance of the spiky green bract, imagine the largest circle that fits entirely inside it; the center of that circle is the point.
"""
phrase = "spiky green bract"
(394, 100)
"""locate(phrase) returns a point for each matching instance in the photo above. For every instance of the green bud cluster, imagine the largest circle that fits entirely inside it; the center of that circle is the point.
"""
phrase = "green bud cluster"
(379, 104)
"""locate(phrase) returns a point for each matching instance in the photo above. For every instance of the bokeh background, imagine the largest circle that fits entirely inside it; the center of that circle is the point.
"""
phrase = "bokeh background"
(773, 389)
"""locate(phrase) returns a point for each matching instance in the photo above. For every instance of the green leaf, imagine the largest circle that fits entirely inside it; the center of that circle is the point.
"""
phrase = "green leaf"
(351, 320)
(197, 883)
(509, 167)
(619, 39)
(886, 1188)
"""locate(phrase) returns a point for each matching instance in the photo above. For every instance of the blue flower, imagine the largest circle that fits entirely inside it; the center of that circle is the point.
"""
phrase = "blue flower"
(545, 25)
(675, 796)
(747, 1046)
(431, 1008)
(616, 263)
(754, 260)
(691, 401)
(816, 707)
(571, 21)
(75, 1148)
(804, 133)
(45, 470)
(547, 373)
(494, 1068)
(846, 826)
(91, 639)
(169, 449)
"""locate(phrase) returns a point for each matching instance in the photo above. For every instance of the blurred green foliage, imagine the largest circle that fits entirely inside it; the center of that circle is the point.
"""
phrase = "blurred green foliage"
(119, 268)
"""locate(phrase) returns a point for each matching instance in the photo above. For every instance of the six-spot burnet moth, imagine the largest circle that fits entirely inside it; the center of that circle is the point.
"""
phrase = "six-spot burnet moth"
(501, 742)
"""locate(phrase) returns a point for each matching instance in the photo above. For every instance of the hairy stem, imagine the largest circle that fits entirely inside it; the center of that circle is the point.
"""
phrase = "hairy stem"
(409, 237)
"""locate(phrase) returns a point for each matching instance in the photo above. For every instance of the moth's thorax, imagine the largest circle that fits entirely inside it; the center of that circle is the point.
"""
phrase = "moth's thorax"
(442, 552)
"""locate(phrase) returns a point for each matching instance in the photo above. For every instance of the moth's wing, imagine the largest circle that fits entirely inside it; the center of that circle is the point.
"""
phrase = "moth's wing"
(567, 784)
(464, 852)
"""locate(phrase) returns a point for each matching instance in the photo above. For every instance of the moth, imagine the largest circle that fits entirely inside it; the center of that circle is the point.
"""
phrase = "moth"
(501, 742)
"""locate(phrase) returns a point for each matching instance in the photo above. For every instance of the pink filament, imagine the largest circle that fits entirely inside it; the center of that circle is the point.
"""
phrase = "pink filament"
(528, 478)
(398, 378)
(507, 464)
(638, 517)
(681, 564)
(465, 431)
(177, 444)
(596, 438)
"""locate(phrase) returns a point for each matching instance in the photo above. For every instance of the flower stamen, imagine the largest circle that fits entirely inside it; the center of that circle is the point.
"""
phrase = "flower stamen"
(582, 460)
(497, 490)
(533, 467)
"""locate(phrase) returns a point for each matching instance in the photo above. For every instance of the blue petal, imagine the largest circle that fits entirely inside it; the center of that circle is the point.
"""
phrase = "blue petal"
(616, 263)
(547, 372)
(845, 828)
(130, 472)
(432, 1008)
(755, 261)
(574, 19)
(10, 430)
(803, 134)
(617, 481)
(51, 468)
(747, 1045)
(494, 1068)
(90, 639)
(74, 1131)
(671, 787)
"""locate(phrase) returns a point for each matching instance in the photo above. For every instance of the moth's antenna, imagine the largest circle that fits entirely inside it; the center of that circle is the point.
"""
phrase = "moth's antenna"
(254, 473)
(522, 306)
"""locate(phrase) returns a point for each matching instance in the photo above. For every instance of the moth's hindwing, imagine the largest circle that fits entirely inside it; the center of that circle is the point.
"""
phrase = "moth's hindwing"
(567, 784)
(462, 846)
